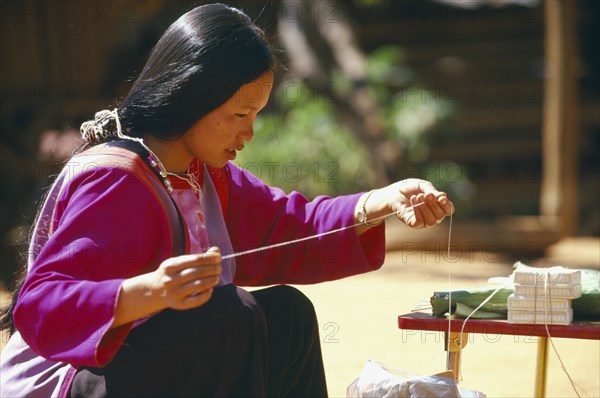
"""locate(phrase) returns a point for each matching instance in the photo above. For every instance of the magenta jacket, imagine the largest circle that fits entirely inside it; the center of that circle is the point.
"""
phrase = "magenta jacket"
(108, 225)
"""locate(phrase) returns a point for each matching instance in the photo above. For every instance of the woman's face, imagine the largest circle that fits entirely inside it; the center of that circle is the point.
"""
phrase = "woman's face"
(216, 138)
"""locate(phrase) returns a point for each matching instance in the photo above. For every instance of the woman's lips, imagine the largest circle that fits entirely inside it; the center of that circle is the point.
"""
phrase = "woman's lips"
(231, 154)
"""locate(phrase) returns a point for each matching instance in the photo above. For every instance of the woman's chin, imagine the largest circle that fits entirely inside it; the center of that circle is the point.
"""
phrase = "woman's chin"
(219, 164)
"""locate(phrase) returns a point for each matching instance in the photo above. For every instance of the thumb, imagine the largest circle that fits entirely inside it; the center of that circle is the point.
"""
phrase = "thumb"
(213, 250)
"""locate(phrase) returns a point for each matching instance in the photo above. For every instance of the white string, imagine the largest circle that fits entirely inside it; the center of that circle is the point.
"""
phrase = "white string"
(449, 293)
(548, 298)
(462, 329)
(259, 249)
(190, 180)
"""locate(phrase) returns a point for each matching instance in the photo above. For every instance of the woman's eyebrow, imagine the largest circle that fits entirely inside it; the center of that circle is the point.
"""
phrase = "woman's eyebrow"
(251, 107)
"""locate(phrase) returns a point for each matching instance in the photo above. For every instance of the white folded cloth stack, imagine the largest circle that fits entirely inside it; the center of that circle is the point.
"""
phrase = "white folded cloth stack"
(544, 295)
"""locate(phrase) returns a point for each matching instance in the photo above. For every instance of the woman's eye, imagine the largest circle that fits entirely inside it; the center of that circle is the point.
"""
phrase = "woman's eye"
(241, 115)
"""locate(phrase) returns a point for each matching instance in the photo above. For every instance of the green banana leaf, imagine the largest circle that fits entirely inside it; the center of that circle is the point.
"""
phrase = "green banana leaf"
(465, 301)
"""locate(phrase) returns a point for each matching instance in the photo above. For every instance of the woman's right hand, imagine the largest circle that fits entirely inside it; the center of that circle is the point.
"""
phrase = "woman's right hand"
(187, 281)
(181, 283)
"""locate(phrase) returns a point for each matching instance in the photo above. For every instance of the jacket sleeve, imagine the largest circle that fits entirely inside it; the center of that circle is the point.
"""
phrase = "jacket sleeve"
(107, 227)
(260, 215)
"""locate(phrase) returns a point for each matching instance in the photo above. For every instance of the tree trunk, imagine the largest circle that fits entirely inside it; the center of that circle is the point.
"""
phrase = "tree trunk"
(320, 42)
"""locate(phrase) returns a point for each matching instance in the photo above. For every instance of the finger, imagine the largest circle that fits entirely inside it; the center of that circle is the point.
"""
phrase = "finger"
(427, 187)
(193, 301)
(436, 209)
(196, 272)
(176, 264)
(212, 256)
(446, 204)
(192, 260)
(429, 218)
(175, 294)
(182, 261)
(198, 286)
(213, 249)
(175, 287)
(415, 218)
(430, 191)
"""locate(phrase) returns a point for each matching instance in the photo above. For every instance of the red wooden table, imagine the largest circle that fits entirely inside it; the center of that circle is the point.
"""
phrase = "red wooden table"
(452, 329)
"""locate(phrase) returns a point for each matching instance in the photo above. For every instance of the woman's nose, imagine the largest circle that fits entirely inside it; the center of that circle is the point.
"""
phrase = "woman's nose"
(247, 134)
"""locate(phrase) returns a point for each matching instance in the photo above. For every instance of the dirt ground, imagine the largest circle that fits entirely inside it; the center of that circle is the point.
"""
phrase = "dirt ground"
(358, 321)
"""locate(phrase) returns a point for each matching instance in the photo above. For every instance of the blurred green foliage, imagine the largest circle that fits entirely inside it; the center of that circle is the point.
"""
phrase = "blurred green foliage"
(305, 148)
(413, 117)
(302, 145)
(411, 112)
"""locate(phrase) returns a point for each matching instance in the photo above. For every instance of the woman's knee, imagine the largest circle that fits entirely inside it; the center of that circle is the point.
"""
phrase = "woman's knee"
(294, 297)
(286, 302)
(230, 308)
(232, 303)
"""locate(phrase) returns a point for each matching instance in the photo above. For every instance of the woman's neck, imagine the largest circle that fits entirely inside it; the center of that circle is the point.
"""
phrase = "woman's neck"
(171, 153)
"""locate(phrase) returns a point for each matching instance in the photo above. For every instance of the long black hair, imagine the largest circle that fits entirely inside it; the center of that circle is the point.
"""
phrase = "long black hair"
(200, 61)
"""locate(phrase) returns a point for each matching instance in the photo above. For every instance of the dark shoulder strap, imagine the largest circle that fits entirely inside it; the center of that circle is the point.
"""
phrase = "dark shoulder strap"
(138, 149)
(175, 218)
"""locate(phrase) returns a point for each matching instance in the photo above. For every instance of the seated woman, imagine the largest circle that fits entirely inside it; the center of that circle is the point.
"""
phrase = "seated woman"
(131, 287)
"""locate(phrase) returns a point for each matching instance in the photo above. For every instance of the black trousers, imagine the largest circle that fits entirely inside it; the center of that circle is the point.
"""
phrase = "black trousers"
(239, 344)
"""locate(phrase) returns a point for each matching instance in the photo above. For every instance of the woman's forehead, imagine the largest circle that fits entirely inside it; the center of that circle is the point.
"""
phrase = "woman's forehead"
(255, 94)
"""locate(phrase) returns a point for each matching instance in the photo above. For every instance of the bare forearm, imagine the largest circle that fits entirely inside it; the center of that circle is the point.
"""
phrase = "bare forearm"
(137, 300)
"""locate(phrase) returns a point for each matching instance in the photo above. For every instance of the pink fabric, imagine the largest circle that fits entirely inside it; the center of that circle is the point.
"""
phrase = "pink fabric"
(26, 374)
(192, 210)
(204, 219)
(217, 176)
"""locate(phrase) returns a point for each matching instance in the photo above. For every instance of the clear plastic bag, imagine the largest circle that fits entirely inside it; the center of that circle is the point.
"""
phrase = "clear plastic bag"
(382, 381)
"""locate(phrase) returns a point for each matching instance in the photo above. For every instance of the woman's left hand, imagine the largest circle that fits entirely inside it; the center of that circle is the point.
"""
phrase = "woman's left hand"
(418, 203)
(415, 202)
